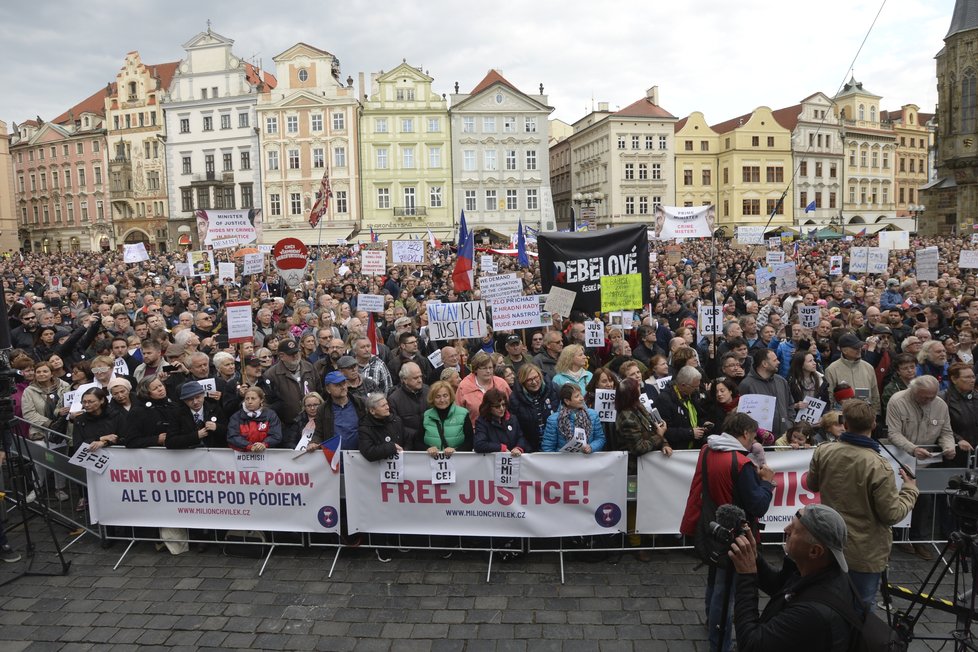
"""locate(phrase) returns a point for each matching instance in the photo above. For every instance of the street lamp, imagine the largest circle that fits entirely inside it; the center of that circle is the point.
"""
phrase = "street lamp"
(916, 210)
(587, 200)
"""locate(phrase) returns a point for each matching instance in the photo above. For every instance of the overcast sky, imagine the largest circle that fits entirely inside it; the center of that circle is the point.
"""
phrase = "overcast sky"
(720, 57)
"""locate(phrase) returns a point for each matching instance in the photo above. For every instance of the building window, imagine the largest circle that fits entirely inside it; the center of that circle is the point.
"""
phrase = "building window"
(491, 200)
(468, 124)
(470, 200)
(275, 203)
(530, 125)
(629, 205)
(153, 180)
(726, 176)
(339, 121)
(293, 155)
(208, 123)
(489, 125)
(434, 157)
(649, 142)
(621, 142)
(316, 122)
(489, 159)
(33, 183)
(663, 143)
(341, 203)
(687, 177)
(656, 171)
(704, 145)
(184, 125)
(381, 158)
(409, 202)
(383, 198)
(862, 157)
(434, 125)
(818, 170)
(751, 174)
(629, 171)
(57, 213)
(831, 200)
(271, 124)
(84, 211)
(643, 205)
(636, 141)
(509, 124)
(531, 159)
(47, 213)
(403, 94)
(81, 178)
(803, 199)
(339, 157)
(407, 125)
(243, 121)
(226, 197)
(407, 157)
(246, 160)
(770, 141)
(752, 207)
(875, 160)
(512, 203)
(209, 163)
(773, 206)
(318, 157)
(803, 169)
(532, 199)
(380, 125)
(71, 212)
(510, 159)
(886, 161)
(225, 121)
(643, 171)
(755, 141)
(295, 203)
(36, 215)
(775, 174)
(434, 196)
(688, 146)
(707, 177)
(272, 160)
(468, 160)
(292, 124)
(186, 200)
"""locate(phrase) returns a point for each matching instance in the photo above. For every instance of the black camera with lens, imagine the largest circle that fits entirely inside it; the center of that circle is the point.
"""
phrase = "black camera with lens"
(722, 536)
(964, 504)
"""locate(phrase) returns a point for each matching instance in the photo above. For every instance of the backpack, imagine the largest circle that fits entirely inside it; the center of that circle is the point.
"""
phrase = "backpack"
(703, 541)
(869, 634)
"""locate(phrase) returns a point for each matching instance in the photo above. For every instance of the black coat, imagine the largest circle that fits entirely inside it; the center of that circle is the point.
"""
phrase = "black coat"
(963, 409)
(491, 435)
(532, 411)
(680, 431)
(186, 432)
(89, 428)
(146, 420)
(379, 437)
(410, 407)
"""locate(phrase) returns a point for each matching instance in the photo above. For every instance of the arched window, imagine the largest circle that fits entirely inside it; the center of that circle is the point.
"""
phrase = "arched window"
(861, 112)
(969, 86)
(872, 114)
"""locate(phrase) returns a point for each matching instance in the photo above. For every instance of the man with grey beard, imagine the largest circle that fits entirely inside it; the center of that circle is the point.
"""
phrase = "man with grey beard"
(287, 382)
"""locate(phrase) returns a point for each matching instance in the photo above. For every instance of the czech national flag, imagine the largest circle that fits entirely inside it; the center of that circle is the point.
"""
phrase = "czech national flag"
(462, 276)
(333, 450)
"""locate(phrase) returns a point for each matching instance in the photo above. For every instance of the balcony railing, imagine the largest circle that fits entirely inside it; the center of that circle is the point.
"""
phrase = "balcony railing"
(410, 211)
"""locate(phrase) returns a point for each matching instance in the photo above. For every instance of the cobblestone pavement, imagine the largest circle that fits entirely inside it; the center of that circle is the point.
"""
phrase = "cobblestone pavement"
(417, 602)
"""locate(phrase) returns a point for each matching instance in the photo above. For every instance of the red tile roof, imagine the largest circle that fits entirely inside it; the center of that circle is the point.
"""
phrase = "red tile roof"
(680, 124)
(643, 108)
(731, 124)
(165, 72)
(787, 118)
(491, 78)
(94, 103)
(251, 74)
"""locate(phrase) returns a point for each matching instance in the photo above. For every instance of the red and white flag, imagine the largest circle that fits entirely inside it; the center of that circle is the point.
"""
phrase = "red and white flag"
(435, 242)
(322, 201)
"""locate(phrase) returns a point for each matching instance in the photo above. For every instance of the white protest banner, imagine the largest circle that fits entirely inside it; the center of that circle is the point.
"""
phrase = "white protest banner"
(859, 260)
(265, 248)
(812, 412)
(750, 235)
(95, 461)
(774, 258)
(442, 469)
(968, 259)
(78, 393)
(779, 279)
(516, 313)
(876, 260)
(202, 488)
(392, 468)
(504, 286)
(710, 320)
(201, 263)
(760, 407)
(604, 405)
(209, 384)
(593, 334)
(894, 240)
(223, 243)
(808, 316)
(182, 269)
(560, 301)
(927, 260)
(774, 243)
(68, 398)
(134, 253)
(373, 262)
(120, 368)
(240, 327)
(660, 383)
(507, 470)
(225, 273)
(557, 495)
(253, 264)
(407, 252)
(672, 222)
(370, 302)
(835, 266)
(343, 270)
(435, 358)
(243, 226)
(451, 321)
(663, 486)
(486, 264)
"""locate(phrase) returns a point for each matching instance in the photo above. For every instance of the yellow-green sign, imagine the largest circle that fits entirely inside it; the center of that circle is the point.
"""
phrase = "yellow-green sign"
(621, 292)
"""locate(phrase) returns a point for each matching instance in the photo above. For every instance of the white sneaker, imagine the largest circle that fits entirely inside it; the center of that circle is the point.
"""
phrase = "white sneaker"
(31, 497)
(61, 496)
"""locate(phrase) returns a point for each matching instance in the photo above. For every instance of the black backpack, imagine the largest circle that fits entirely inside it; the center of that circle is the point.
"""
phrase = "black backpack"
(869, 634)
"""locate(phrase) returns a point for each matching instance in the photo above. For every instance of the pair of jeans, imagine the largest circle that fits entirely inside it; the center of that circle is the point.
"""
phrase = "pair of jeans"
(716, 587)
(867, 584)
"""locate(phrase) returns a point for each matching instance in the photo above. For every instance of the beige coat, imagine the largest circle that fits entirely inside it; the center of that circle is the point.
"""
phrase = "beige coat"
(910, 425)
(859, 484)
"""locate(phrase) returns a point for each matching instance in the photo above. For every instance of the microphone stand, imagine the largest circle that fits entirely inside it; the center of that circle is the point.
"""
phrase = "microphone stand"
(14, 444)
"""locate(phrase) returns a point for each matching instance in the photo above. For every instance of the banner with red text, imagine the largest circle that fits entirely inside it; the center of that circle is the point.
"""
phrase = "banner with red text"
(216, 488)
(551, 495)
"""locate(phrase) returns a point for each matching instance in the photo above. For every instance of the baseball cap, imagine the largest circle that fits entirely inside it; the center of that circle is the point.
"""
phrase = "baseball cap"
(334, 378)
(210, 311)
(252, 361)
(828, 528)
(513, 339)
(850, 341)
(402, 321)
(891, 282)
(346, 361)
(288, 347)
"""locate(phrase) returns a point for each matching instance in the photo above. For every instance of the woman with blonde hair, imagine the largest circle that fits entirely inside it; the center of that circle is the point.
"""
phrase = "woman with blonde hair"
(447, 427)
(571, 367)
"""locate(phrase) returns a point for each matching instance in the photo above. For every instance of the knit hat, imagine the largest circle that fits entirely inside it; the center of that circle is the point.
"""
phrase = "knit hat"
(843, 392)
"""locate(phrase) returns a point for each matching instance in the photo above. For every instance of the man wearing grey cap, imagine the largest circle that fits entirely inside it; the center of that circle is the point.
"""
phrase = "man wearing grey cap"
(356, 384)
(812, 602)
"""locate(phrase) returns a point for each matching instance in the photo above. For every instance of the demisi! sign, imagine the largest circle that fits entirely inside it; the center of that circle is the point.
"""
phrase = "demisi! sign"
(578, 261)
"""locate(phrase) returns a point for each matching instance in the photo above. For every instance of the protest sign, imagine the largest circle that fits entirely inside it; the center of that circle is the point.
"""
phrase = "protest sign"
(291, 257)
(223, 243)
(555, 495)
(812, 412)
(486, 264)
(370, 302)
(604, 405)
(265, 248)
(450, 321)
(774, 242)
(876, 260)
(201, 263)
(750, 235)
(507, 470)
(859, 260)
(243, 226)
(203, 488)
(968, 259)
(225, 273)
(927, 260)
(516, 313)
(373, 262)
(710, 320)
(673, 222)
(621, 292)
(560, 301)
(96, 461)
(442, 469)
(407, 252)
(134, 253)
(504, 286)
(974, 238)
(894, 240)
(808, 316)
(240, 327)
(435, 358)
(593, 334)
(760, 407)
(582, 261)
(774, 258)
(253, 264)
(835, 266)
(779, 279)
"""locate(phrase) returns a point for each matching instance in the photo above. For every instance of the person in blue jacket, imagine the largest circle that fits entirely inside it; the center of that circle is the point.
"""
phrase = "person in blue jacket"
(573, 416)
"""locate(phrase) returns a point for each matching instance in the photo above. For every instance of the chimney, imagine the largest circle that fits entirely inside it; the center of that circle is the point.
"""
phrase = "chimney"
(652, 95)
(602, 107)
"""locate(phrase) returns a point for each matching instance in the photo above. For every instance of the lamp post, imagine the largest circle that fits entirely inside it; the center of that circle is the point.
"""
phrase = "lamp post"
(916, 210)
(588, 200)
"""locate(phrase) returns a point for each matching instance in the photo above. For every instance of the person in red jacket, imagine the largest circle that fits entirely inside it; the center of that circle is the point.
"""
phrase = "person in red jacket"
(254, 427)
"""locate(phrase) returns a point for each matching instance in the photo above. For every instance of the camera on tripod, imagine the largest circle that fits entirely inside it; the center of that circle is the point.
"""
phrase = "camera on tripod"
(964, 503)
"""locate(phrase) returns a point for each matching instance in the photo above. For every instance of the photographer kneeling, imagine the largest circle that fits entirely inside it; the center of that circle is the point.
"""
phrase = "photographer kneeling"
(809, 596)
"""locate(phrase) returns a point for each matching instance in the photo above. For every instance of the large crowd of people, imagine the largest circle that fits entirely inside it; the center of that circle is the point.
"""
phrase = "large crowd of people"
(146, 352)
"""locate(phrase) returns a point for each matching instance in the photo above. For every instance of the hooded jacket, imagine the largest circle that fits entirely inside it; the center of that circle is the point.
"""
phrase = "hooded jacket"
(247, 429)
(776, 386)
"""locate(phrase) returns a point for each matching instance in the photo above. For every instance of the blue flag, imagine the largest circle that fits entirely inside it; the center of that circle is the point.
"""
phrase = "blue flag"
(521, 258)
(811, 207)
(463, 233)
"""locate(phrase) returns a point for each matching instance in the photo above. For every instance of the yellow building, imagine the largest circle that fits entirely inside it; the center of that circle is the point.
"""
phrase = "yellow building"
(914, 139)
(406, 149)
(754, 168)
(697, 148)
(8, 219)
(308, 121)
